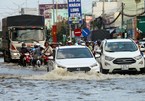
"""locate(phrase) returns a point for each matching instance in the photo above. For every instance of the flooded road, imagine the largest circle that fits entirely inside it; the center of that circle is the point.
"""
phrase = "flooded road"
(25, 84)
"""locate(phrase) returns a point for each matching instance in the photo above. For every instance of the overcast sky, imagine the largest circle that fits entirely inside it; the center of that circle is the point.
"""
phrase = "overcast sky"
(12, 7)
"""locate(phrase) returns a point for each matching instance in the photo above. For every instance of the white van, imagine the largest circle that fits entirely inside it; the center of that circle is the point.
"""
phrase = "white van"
(120, 55)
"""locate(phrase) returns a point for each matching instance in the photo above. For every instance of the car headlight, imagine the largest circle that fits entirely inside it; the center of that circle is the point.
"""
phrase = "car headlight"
(60, 66)
(109, 58)
(138, 57)
(94, 65)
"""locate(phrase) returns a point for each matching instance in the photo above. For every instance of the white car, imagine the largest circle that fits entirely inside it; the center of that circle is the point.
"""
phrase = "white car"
(74, 58)
(120, 55)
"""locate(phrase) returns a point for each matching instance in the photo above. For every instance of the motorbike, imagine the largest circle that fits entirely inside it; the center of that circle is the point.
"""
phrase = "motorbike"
(47, 59)
(27, 59)
(38, 61)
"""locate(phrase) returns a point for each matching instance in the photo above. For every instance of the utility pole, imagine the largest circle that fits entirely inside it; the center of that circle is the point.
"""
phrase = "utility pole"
(38, 8)
(56, 10)
(103, 8)
(122, 17)
(53, 12)
(103, 12)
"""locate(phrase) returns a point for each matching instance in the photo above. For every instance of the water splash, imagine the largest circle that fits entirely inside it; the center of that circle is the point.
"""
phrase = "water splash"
(61, 74)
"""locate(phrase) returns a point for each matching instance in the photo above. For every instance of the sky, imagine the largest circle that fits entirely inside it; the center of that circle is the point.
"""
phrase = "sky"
(12, 7)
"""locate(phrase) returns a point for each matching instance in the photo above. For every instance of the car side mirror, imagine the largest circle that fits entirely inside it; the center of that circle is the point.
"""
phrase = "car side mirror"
(97, 55)
(98, 51)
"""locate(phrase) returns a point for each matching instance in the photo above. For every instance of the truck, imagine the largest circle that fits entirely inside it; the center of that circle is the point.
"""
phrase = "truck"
(18, 29)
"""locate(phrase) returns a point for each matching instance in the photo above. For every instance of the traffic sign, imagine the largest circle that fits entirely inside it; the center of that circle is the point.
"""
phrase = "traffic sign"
(74, 11)
(85, 32)
(77, 32)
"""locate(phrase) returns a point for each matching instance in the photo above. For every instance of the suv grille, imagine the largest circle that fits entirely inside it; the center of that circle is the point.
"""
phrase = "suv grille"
(124, 61)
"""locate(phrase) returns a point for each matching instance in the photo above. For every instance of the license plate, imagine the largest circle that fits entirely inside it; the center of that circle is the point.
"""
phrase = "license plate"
(124, 67)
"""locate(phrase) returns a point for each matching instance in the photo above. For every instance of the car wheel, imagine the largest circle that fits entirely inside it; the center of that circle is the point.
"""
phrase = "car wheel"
(142, 70)
(104, 71)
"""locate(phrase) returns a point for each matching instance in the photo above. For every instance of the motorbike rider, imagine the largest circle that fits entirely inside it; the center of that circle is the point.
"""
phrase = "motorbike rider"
(48, 51)
(23, 50)
(37, 52)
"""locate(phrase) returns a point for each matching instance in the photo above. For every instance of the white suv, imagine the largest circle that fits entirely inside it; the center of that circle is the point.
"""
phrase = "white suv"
(120, 54)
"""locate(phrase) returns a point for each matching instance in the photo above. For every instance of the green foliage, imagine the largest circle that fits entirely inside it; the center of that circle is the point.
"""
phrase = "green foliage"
(97, 23)
(62, 29)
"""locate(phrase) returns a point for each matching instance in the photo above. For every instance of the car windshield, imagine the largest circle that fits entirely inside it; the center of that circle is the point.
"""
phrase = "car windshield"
(69, 53)
(120, 46)
(28, 35)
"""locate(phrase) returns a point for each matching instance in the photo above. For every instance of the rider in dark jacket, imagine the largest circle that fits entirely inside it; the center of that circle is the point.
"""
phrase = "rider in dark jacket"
(22, 52)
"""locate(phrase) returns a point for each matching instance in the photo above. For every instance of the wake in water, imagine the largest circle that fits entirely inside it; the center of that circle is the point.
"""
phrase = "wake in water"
(13, 71)
(61, 74)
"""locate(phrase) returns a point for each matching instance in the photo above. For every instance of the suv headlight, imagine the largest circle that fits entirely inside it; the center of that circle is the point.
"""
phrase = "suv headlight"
(138, 57)
(109, 58)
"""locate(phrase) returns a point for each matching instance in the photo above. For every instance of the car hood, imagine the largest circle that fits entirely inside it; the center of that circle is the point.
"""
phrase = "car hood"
(76, 62)
(123, 54)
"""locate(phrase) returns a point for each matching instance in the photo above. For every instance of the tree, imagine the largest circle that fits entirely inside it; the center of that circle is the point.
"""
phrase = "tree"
(98, 22)
(137, 1)
(62, 29)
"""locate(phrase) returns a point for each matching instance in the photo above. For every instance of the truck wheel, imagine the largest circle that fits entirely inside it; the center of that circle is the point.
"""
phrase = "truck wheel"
(5, 58)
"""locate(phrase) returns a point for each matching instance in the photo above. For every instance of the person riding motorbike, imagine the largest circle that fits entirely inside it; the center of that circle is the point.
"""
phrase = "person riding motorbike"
(23, 50)
(48, 51)
(37, 54)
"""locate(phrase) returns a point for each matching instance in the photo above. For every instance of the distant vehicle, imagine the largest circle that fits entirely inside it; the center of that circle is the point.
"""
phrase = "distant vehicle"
(18, 29)
(74, 58)
(120, 55)
(142, 44)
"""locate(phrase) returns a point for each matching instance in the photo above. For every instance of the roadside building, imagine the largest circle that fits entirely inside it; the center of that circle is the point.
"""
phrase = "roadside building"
(108, 9)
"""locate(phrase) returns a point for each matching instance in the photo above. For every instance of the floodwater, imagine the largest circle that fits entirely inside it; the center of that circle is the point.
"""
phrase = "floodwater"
(25, 84)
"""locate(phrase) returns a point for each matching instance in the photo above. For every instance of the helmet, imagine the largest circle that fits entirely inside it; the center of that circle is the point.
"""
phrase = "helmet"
(42, 47)
(23, 44)
(36, 45)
